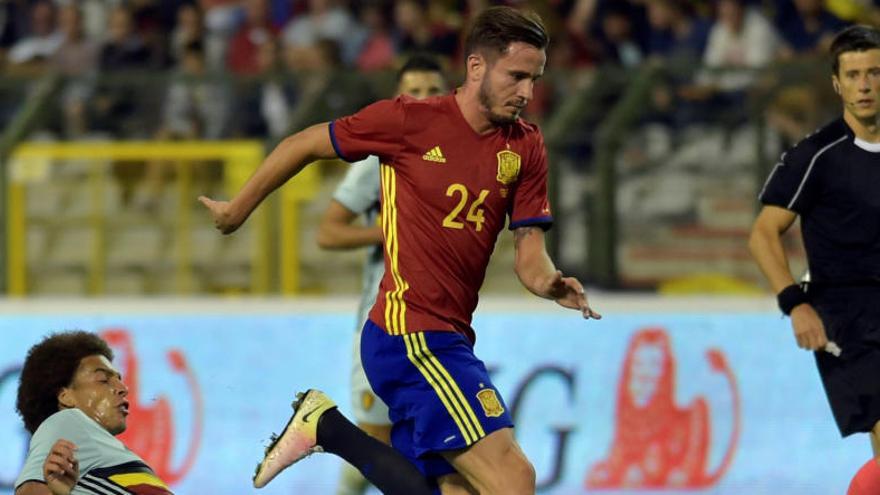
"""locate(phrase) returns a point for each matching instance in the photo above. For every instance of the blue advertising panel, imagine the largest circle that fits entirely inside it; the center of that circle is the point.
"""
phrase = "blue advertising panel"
(713, 402)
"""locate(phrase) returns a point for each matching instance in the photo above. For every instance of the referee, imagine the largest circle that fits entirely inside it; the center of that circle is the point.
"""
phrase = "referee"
(832, 180)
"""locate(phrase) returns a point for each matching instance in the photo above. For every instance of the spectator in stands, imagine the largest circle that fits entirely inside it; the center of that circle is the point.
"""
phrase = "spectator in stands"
(741, 41)
(618, 42)
(152, 20)
(585, 26)
(114, 106)
(76, 60)
(96, 14)
(222, 19)
(255, 31)
(740, 38)
(264, 105)
(325, 86)
(124, 48)
(414, 32)
(195, 105)
(31, 53)
(12, 20)
(809, 28)
(377, 47)
(677, 34)
(677, 42)
(189, 28)
(324, 20)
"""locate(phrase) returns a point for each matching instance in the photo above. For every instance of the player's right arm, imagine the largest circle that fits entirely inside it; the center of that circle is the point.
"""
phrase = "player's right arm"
(765, 244)
(375, 130)
(285, 161)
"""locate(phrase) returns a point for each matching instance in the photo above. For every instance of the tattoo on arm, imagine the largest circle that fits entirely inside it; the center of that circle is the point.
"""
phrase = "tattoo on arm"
(523, 232)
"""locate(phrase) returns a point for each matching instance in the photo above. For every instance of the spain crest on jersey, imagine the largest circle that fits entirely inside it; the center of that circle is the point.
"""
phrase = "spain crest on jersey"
(491, 405)
(508, 166)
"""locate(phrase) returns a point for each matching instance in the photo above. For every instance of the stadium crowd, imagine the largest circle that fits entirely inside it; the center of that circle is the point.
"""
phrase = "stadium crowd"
(91, 41)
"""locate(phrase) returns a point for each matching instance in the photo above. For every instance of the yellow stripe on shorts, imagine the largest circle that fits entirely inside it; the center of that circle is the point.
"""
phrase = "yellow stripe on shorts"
(444, 386)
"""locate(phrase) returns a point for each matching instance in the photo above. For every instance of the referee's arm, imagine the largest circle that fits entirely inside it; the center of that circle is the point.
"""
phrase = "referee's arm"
(765, 243)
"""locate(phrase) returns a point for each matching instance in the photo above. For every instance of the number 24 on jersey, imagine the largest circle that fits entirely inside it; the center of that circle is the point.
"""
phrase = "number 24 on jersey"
(474, 213)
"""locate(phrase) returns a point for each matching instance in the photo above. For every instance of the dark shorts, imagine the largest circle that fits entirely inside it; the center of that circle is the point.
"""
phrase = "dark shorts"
(852, 381)
(439, 395)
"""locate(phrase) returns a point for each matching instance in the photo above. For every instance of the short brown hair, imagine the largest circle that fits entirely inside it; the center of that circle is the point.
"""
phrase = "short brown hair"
(858, 38)
(496, 28)
(49, 367)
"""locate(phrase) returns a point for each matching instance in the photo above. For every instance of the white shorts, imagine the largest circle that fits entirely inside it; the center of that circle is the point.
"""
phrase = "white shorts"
(366, 405)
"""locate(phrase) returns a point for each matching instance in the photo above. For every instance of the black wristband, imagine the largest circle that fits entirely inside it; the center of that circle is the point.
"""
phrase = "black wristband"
(790, 297)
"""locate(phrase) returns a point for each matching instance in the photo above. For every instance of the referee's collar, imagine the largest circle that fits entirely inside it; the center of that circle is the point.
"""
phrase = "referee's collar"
(872, 147)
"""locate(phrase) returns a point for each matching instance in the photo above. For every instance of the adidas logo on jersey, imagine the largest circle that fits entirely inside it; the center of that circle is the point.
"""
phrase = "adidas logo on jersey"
(434, 155)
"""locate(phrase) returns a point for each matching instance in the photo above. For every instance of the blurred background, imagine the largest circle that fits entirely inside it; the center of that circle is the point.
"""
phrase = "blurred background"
(662, 119)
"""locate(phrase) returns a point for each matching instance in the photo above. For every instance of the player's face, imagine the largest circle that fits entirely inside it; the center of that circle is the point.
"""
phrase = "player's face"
(509, 81)
(858, 83)
(98, 391)
(421, 84)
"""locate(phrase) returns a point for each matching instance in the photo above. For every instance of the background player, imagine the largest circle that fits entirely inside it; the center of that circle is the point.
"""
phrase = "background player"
(830, 179)
(73, 402)
(358, 194)
(454, 168)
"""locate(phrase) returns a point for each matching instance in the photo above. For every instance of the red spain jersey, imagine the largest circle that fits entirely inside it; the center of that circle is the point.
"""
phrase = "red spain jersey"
(446, 192)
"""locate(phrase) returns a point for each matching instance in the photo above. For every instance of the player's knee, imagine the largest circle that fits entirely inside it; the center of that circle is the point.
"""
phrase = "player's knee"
(517, 477)
(526, 477)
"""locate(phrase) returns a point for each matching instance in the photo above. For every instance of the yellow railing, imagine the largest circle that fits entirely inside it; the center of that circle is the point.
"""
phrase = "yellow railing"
(31, 161)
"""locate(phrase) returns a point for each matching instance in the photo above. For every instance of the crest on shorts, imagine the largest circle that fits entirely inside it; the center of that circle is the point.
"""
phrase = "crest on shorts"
(367, 400)
(491, 405)
(508, 166)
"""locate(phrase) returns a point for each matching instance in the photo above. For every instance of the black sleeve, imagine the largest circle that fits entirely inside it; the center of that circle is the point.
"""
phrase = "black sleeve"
(793, 183)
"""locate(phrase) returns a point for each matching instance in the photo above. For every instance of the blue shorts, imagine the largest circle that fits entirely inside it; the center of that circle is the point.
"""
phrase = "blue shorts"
(439, 395)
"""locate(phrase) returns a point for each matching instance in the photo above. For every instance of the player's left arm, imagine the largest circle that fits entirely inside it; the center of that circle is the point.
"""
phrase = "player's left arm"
(539, 275)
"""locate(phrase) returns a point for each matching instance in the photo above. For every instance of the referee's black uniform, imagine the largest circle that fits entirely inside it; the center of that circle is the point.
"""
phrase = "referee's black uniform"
(832, 180)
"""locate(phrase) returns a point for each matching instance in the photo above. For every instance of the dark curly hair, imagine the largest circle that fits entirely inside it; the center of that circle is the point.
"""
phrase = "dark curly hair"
(49, 367)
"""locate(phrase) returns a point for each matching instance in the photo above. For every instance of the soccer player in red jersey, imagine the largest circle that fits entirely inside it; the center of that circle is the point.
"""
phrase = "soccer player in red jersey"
(454, 168)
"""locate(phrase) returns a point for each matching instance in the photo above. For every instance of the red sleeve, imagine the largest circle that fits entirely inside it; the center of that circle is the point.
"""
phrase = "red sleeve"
(375, 130)
(530, 203)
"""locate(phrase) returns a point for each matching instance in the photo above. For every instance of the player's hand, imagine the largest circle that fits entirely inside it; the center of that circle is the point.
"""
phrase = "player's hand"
(224, 219)
(569, 293)
(808, 328)
(61, 468)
